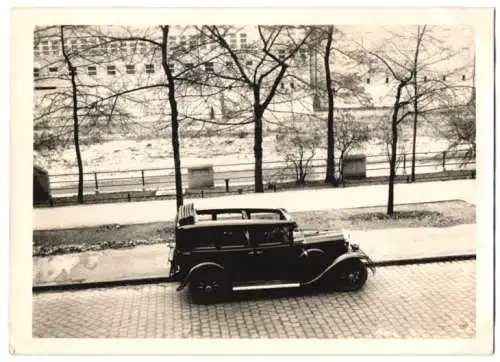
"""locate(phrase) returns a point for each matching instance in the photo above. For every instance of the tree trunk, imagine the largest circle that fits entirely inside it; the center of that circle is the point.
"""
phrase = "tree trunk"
(174, 118)
(330, 160)
(175, 145)
(258, 112)
(76, 124)
(394, 149)
(414, 141)
(392, 163)
(420, 35)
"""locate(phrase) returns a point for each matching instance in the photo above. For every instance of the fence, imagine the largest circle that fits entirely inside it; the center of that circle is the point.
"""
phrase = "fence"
(231, 177)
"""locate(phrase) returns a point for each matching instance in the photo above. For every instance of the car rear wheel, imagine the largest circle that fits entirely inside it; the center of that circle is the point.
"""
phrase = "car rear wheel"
(351, 275)
(207, 287)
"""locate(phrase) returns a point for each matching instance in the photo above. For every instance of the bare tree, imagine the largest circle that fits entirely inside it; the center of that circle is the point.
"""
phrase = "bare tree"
(432, 95)
(350, 134)
(272, 52)
(429, 87)
(420, 35)
(188, 79)
(459, 128)
(66, 108)
(337, 83)
(330, 159)
(298, 139)
(76, 124)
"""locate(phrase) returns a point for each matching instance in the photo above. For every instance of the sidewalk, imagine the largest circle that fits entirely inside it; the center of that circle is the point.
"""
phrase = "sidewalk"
(293, 201)
(150, 262)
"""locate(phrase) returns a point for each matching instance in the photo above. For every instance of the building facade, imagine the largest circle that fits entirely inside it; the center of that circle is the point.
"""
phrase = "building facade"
(112, 60)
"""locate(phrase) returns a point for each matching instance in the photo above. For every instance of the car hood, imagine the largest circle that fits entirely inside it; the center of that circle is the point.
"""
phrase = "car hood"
(312, 236)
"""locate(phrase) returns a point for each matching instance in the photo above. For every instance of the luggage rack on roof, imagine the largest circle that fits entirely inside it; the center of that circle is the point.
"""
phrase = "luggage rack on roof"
(186, 215)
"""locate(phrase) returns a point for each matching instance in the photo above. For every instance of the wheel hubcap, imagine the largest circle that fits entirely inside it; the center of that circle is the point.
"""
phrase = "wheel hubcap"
(209, 287)
(351, 277)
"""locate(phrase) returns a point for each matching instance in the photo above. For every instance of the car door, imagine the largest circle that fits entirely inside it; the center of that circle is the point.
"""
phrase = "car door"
(275, 255)
(234, 253)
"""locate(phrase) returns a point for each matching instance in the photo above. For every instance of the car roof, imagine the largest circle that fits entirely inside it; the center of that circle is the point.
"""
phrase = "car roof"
(234, 222)
(189, 215)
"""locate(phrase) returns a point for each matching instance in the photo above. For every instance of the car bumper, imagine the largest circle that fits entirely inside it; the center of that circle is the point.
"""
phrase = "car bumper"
(366, 259)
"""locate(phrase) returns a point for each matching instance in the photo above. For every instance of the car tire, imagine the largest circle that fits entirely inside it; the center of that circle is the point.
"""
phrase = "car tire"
(350, 275)
(209, 286)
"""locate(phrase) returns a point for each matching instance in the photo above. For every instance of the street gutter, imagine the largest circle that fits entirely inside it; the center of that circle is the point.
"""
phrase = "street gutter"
(162, 279)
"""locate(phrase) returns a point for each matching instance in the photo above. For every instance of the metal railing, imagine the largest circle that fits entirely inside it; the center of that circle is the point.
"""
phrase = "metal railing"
(229, 177)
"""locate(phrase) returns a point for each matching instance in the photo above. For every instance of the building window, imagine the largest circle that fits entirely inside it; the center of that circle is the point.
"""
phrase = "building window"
(74, 46)
(104, 47)
(172, 40)
(93, 47)
(292, 86)
(73, 71)
(386, 80)
(192, 41)
(92, 70)
(123, 46)
(113, 48)
(232, 41)
(111, 69)
(53, 69)
(367, 80)
(183, 43)
(143, 48)
(444, 78)
(243, 41)
(150, 68)
(130, 69)
(55, 47)
(36, 72)
(229, 64)
(172, 67)
(45, 47)
(132, 47)
(463, 76)
(209, 67)
(249, 63)
(425, 78)
(281, 53)
(282, 85)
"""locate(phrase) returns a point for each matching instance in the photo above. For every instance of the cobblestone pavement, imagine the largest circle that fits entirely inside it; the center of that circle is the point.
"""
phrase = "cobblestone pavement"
(415, 301)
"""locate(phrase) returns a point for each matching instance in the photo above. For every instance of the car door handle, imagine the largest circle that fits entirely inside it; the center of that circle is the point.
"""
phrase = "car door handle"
(256, 252)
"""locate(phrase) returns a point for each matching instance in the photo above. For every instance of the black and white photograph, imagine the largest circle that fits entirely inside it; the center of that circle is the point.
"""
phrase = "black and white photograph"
(293, 178)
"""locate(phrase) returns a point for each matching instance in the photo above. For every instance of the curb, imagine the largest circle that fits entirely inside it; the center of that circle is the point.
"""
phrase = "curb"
(427, 260)
(156, 280)
(100, 284)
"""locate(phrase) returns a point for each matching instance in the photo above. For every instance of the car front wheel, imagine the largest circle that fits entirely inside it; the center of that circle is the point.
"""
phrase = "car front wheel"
(207, 287)
(351, 275)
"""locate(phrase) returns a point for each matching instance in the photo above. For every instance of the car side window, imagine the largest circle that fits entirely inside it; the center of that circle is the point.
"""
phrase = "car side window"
(271, 236)
(233, 238)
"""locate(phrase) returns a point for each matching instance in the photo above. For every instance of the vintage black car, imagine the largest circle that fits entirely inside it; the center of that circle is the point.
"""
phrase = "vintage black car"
(219, 251)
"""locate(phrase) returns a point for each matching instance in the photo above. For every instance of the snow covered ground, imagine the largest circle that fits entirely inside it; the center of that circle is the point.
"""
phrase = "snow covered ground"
(122, 155)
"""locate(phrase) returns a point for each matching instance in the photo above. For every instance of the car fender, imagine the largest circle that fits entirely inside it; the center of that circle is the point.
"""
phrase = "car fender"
(194, 269)
(340, 259)
(306, 252)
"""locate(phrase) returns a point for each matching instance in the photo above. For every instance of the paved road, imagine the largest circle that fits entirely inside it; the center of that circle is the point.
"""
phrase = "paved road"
(415, 301)
(294, 201)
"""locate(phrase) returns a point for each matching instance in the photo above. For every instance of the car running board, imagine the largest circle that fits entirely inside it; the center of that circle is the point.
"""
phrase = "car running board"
(265, 286)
